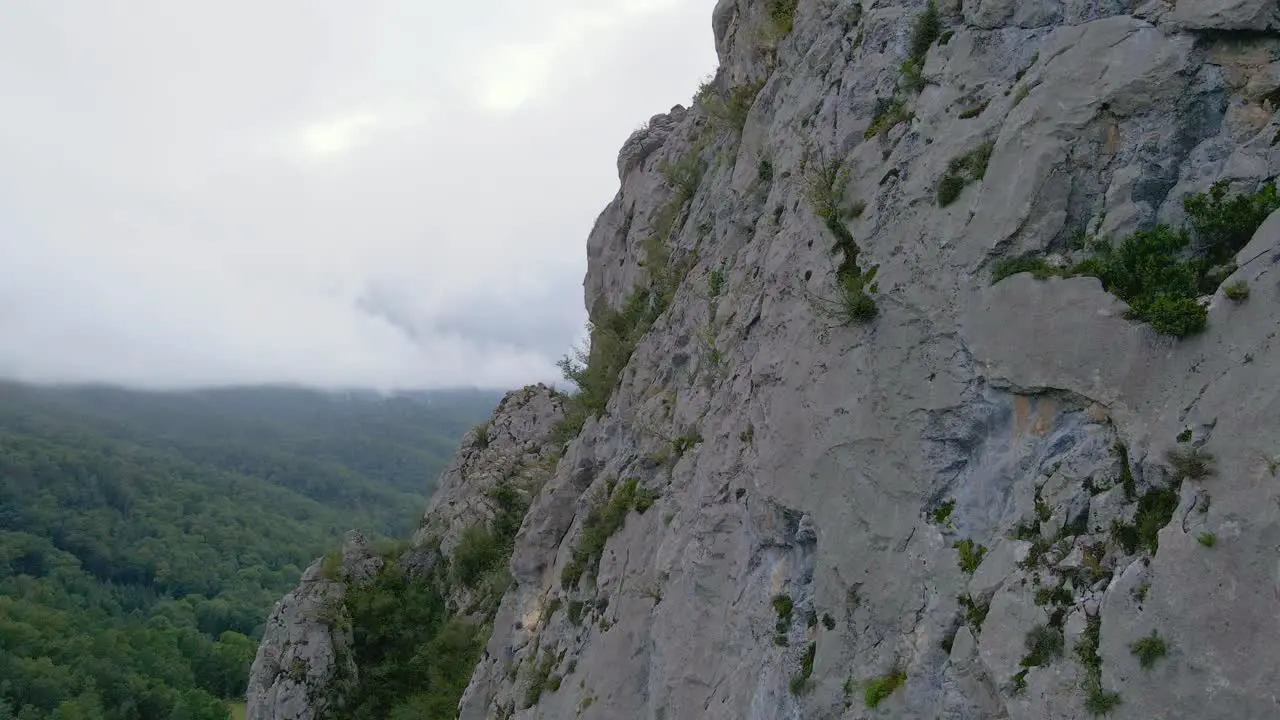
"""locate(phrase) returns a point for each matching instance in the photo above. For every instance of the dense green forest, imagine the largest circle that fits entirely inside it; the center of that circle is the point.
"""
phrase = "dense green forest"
(145, 536)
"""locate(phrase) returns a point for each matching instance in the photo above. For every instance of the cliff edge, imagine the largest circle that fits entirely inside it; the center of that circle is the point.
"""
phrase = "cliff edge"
(933, 375)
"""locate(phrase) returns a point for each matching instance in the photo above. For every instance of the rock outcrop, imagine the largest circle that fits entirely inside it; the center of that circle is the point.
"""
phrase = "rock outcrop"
(306, 664)
(305, 655)
(513, 444)
(852, 460)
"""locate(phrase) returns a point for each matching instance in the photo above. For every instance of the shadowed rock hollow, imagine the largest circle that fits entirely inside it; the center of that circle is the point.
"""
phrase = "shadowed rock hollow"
(874, 424)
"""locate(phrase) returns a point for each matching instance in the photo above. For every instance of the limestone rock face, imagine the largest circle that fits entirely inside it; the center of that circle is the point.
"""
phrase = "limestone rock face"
(976, 503)
(303, 657)
(1260, 15)
(850, 468)
(513, 445)
(304, 664)
(646, 140)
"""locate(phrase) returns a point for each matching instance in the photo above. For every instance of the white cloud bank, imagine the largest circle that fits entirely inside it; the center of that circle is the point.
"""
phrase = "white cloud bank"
(392, 193)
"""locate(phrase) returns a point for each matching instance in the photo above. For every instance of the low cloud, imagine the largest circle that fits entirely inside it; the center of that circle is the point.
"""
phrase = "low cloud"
(381, 194)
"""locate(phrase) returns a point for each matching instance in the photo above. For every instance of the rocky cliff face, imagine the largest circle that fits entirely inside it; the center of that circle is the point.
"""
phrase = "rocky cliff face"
(907, 397)
(309, 665)
(304, 659)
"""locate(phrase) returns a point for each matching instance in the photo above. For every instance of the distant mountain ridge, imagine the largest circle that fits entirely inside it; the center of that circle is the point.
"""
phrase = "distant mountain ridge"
(402, 438)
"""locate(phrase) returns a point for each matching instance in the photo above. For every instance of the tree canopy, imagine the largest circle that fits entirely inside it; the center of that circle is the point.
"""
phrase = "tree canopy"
(144, 537)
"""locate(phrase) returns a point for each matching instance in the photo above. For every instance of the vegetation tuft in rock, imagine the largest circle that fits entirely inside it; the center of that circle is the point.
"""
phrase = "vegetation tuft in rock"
(600, 525)
(879, 689)
(1163, 272)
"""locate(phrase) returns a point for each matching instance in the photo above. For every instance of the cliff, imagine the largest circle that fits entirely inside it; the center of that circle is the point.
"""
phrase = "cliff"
(932, 374)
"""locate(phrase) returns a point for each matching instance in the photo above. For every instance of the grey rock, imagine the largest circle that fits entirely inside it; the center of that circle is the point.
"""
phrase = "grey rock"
(1074, 559)
(990, 14)
(1107, 507)
(964, 646)
(298, 659)
(971, 692)
(826, 451)
(1013, 614)
(462, 498)
(1051, 527)
(997, 567)
(1123, 214)
(359, 562)
(1073, 628)
(1258, 15)
(1153, 11)
(1075, 513)
(648, 139)
(305, 664)
(806, 532)
(722, 18)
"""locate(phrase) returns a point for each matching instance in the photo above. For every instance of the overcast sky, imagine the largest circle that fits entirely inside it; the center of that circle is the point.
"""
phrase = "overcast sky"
(383, 193)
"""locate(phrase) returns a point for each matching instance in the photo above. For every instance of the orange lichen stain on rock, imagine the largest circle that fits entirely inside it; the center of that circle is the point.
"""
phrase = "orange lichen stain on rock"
(532, 617)
(769, 525)
(1021, 414)
(1046, 411)
(1033, 416)
(1114, 138)
(1098, 413)
(778, 579)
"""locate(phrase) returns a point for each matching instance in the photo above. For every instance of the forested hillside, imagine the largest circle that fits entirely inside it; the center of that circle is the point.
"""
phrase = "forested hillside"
(145, 536)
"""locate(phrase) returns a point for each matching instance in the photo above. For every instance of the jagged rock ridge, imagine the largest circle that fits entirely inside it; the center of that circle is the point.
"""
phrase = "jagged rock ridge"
(309, 667)
(839, 472)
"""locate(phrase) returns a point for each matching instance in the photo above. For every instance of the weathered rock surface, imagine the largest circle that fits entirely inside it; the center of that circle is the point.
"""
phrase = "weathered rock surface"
(512, 446)
(303, 657)
(1227, 14)
(305, 663)
(871, 520)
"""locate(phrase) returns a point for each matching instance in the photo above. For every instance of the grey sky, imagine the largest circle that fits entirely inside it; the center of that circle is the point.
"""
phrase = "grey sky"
(386, 193)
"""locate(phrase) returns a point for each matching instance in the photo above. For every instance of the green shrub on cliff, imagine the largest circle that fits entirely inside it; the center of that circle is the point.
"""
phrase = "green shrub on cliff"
(615, 333)
(601, 523)
(783, 14)
(826, 182)
(413, 658)
(413, 653)
(1224, 224)
(1162, 272)
(962, 170)
(927, 29)
(1147, 272)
